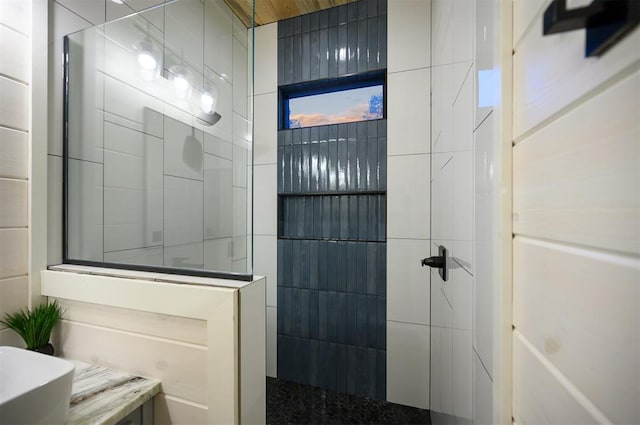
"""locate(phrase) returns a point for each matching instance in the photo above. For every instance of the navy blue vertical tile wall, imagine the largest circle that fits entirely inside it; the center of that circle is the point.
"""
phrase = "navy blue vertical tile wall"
(331, 285)
(343, 40)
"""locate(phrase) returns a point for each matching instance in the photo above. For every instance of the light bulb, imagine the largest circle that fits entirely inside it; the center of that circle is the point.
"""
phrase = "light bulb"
(206, 103)
(147, 61)
(180, 83)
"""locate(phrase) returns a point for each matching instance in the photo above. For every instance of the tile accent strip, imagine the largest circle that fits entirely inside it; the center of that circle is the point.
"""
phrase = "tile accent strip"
(332, 183)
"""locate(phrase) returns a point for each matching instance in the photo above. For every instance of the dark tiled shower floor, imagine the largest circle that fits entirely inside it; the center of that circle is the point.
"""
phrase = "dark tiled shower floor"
(289, 403)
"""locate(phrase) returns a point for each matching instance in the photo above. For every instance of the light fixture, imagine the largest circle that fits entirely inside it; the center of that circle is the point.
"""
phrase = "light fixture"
(209, 100)
(148, 57)
(179, 76)
(118, 1)
(147, 61)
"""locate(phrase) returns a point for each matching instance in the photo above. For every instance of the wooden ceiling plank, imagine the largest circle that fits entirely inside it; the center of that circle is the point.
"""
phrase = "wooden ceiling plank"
(268, 11)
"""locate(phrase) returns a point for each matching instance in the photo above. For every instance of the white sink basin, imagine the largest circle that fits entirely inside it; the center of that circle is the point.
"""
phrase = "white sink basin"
(34, 388)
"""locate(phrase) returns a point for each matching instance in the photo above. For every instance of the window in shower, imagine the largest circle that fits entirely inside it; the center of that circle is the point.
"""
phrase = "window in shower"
(338, 101)
(158, 134)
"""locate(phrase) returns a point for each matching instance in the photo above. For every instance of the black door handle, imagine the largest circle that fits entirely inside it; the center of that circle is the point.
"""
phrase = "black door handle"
(438, 262)
(435, 262)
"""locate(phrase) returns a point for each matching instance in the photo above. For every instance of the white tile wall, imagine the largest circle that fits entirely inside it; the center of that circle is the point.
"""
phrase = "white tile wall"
(218, 195)
(265, 215)
(224, 128)
(486, 216)
(218, 254)
(408, 295)
(272, 342)
(185, 43)
(482, 394)
(129, 112)
(453, 203)
(462, 408)
(240, 159)
(133, 189)
(266, 51)
(407, 354)
(183, 211)
(54, 209)
(127, 106)
(183, 150)
(189, 256)
(116, 10)
(408, 200)
(218, 45)
(85, 210)
(462, 196)
(239, 223)
(146, 256)
(462, 30)
(265, 264)
(240, 67)
(62, 22)
(408, 40)
(93, 11)
(408, 126)
(265, 129)
(408, 191)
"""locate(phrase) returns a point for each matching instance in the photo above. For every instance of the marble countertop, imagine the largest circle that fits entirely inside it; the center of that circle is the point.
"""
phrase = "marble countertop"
(105, 396)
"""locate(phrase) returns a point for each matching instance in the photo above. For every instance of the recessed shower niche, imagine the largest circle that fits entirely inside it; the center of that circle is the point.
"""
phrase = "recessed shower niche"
(158, 142)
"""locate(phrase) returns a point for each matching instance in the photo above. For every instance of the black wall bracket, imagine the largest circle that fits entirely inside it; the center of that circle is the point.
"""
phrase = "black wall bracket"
(606, 22)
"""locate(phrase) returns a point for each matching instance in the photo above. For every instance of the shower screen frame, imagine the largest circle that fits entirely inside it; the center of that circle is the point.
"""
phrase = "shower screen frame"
(66, 259)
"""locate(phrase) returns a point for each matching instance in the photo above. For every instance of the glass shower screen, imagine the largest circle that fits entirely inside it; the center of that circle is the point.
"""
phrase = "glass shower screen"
(158, 142)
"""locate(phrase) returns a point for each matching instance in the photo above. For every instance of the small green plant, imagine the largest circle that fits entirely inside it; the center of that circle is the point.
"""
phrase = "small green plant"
(34, 326)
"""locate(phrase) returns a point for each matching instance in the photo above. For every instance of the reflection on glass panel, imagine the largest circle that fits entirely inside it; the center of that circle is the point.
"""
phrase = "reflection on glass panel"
(359, 104)
(158, 156)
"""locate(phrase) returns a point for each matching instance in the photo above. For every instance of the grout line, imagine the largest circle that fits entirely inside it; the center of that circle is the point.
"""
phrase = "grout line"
(482, 363)
(407, 323)
(86, 160)
(14, 79)
(408, 70)
(2, 24)
(483, 120)
(73, 12)
(184, 178)
(408, 154)
(6, 127)
(16, 179)
(464, 80)
(448, 160)
(4, 279)
(448, 302)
